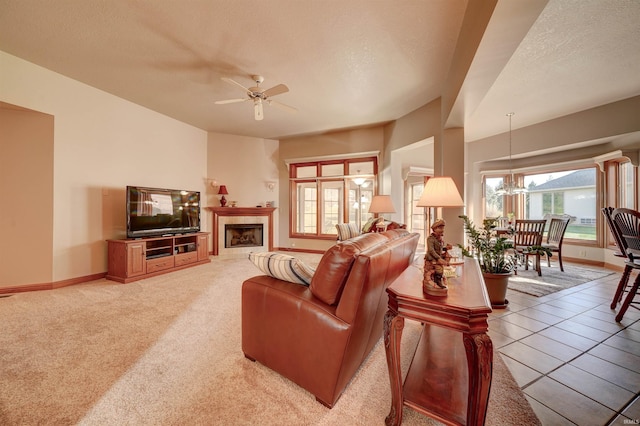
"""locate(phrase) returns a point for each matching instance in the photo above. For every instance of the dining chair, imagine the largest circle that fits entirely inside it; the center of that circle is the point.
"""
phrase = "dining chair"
(620, 252)
(627, 223)
(555, 235)
(528, 233)
(502, 222)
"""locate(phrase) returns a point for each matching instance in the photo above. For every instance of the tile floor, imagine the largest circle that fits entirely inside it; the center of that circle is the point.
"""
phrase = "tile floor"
(574, 363)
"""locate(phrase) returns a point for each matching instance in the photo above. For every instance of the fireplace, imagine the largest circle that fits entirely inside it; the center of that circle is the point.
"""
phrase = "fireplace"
(243, 235)
(238, 218)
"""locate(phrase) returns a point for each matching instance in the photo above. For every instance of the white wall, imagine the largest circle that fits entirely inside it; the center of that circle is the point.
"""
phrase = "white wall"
(101, 144)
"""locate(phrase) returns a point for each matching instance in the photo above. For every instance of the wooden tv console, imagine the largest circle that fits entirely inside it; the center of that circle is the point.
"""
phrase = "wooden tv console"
(135, 259)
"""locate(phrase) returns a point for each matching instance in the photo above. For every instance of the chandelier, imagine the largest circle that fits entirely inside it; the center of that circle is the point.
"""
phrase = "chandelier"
(511, 187)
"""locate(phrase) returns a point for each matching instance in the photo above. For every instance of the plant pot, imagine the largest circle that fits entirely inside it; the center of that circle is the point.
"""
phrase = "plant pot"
(496, 285)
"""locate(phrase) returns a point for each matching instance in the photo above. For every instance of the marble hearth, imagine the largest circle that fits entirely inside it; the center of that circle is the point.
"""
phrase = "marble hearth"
(223, 216)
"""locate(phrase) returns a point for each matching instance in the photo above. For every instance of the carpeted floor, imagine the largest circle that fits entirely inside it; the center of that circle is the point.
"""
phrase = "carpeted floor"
(166, 351)
(553, 279)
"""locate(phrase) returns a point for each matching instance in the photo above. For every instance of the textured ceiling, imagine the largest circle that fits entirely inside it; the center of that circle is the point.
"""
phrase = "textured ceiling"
(347, 63)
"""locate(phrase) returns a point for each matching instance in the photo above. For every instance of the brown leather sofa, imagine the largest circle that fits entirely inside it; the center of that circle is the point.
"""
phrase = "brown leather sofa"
(319, 335)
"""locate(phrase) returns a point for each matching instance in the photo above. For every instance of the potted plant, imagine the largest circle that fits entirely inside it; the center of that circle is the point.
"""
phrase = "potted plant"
(495, 256)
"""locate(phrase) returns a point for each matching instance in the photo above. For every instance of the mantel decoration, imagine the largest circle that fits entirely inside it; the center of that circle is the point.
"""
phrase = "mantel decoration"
(438, 192)
(223, 191)
(511, 187)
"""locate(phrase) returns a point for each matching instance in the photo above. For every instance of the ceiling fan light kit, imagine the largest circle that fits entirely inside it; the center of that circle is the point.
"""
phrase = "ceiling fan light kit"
(258, 96)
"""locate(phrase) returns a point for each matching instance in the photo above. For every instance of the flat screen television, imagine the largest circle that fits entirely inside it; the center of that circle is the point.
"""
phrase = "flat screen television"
(155, 211)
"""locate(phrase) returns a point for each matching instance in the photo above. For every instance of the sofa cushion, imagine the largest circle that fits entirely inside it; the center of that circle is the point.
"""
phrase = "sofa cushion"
(369, 226)
(335, 265)
(283, 267)
(347, 231)
(395, 225)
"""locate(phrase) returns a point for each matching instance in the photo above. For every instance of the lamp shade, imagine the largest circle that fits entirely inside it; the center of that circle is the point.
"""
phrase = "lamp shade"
(440, 192)
(223, 190)
(381, 204)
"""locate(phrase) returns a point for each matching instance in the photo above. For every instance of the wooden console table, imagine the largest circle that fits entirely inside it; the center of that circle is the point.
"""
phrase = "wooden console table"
(450, 374)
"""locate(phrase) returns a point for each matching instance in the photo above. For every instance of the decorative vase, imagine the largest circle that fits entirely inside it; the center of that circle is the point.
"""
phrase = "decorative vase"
(496, 285)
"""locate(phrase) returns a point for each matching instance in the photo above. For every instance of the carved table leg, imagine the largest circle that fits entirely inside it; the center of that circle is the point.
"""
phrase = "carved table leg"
(480, 364)
(393, 326)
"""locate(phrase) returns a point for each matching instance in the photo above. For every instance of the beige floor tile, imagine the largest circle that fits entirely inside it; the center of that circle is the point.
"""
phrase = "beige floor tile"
(613, 373)
(570, 404)
(540, 315)
(583, 330)
(508, 329)
(547, 416)
(556, 311)
(531, 357)
(569, 338)
(520, 372)
(632, 411)
(525, 322)
(499, 340)
(610, 327)
(598, 389)
(617, 356)
(551, 347)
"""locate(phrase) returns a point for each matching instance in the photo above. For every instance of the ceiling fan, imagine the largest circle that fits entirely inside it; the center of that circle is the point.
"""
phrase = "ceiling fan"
(259, 96)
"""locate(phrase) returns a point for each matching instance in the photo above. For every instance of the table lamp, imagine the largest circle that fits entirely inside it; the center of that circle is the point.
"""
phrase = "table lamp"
(223, 191)
(381, 204)
(438, 192)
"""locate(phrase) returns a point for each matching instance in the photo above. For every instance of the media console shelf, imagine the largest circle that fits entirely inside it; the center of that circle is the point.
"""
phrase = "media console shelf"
(135, 259)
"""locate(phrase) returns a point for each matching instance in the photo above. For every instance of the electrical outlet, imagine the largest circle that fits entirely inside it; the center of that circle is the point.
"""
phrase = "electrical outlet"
(583, 253)
(293, 244)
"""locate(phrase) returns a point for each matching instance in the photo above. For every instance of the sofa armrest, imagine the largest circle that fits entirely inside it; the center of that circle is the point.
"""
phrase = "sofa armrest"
(287, 329)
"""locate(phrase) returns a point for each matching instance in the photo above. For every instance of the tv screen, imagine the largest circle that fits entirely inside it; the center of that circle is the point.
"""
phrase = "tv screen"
(156, 211)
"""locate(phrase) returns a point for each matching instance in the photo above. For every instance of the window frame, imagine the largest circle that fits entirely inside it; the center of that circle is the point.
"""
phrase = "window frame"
(613, 194)
(346, 179)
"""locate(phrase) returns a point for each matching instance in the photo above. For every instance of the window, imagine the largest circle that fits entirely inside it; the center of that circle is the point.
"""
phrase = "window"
(565, 192)
(493, 203)
(326, 193)
(417, 214)
(621, 188)
(549, 194)
(627, 187)
(553, 203)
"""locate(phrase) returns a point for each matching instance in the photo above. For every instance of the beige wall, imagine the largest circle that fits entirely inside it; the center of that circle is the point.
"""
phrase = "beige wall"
(244, 164)
(101, 144)
(26, 188)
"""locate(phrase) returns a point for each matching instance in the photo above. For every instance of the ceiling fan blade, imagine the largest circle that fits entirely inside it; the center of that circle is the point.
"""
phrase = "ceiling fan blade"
(230, 81)
(276, 90)
(282, 106)
(231, 101)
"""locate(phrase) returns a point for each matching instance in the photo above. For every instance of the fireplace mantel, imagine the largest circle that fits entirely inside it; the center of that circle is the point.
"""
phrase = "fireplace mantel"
(239, 211)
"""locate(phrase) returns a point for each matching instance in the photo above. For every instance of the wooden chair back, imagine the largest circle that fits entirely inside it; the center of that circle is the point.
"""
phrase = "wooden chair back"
(627, 223)
(528, 232)
(557, 228)
(622, 246)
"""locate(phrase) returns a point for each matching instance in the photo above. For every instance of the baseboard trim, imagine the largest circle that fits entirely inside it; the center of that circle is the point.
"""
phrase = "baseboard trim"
(52, 285)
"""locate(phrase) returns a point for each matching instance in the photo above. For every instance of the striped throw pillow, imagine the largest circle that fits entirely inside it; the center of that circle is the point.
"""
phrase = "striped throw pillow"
(283, 267)
(346, 231)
